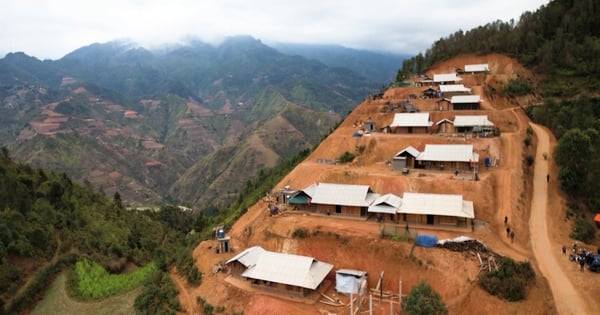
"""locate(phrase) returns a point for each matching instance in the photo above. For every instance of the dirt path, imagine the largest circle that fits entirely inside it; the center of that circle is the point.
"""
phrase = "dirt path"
(567, 299)
(188, 304)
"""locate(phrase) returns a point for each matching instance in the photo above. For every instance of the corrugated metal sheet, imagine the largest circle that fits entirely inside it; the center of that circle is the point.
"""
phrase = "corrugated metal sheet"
(471, 121)
(301, 271)
(482, 67)
(461, 99)
(343, 195)
(310, 190)
(446, 77)
(448, 153)
(436, 204)
(411, 120)
(249, 256)
(410, 150)
(388, 203)
(449, 88)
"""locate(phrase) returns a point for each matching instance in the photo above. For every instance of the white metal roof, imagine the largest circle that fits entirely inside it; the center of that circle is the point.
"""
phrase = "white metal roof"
(388, 203)
(411, 150)
(482, 67)
(472, 120)
(310, 190)
(446, 77)
(411, 120)
(448, 153)
(353, 272)
(343, 195)
(456, 99)
(249, 256)
(437, 204)
(301, 271)
(443, 120)
(449, 88)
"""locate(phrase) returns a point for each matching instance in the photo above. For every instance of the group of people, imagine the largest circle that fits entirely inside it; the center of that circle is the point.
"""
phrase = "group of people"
(509, 233)
(580, 255)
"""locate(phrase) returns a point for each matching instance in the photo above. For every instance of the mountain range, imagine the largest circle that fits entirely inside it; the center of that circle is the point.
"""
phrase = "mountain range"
(187, 124)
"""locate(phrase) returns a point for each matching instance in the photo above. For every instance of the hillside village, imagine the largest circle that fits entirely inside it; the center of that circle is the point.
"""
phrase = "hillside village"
(444, 157)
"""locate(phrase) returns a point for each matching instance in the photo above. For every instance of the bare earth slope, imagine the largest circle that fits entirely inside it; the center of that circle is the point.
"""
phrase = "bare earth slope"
(505, 190)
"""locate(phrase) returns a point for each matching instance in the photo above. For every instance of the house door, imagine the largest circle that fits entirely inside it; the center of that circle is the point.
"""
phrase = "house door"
(363, 211)
(338, 209)
(430, 219)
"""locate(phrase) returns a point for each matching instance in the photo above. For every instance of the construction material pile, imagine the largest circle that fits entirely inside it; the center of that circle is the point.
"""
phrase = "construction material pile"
(462, 246)
(478, 252)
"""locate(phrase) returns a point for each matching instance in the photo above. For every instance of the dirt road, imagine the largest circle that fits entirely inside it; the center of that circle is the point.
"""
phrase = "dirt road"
(567, 299)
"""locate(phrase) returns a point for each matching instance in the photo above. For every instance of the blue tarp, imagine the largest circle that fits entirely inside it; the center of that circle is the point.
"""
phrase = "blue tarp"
(426, 240)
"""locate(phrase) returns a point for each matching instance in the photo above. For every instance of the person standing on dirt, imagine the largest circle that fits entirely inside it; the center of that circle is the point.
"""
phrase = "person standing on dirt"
(581, 263)
(406, 230)
(507, 231)
(512, 236)
(548, 178)
(505, 220)
(564, 250)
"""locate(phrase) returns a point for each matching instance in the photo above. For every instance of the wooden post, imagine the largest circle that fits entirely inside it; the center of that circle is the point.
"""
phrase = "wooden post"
(370, 304)
(351, 304)
(400, 292)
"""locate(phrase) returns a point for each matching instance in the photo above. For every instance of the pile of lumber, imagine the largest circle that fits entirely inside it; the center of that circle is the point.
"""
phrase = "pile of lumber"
(469, 245)
(327, 300)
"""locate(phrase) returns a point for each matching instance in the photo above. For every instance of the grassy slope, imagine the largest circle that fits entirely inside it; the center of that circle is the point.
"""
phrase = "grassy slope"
(57, 301)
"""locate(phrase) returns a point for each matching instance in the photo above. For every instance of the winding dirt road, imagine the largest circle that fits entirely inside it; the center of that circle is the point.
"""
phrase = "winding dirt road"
(566, 297)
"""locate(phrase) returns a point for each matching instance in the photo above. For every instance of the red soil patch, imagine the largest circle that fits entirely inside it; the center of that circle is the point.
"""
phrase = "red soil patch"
(350, 243)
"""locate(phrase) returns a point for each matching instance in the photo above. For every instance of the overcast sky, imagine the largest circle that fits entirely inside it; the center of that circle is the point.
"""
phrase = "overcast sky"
(49, 29)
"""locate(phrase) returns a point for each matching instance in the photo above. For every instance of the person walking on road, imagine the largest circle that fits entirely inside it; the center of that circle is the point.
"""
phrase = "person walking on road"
(505, 220)
(507, 231)
(564, 250)
(581, 263)
(512, 236)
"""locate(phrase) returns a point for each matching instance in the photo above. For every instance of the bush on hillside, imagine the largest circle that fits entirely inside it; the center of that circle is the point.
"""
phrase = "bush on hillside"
(509, 281)
(423, 300)
(346, 157)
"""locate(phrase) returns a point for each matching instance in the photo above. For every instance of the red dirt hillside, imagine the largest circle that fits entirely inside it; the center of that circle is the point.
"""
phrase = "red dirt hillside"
(504, 190)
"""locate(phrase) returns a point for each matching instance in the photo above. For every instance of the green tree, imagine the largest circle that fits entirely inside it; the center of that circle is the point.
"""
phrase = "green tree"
(572, 154)
(423, 300)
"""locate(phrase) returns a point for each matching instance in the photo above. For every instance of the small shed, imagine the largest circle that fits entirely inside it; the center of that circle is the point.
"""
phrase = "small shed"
(369, 126)
(405, 158)
(429, 93)
(445, 126)
(350, 281)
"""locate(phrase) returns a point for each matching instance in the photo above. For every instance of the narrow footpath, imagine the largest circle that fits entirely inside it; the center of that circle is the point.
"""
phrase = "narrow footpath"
(566, 297)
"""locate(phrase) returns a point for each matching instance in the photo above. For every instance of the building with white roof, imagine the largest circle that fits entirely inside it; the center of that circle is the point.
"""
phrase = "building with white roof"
(447, 156)
(411, 123)
(342, 199)
(436, 209)
(469, 123)
(286, 273)
(446, 78)
(453, 89)
(482, 67)
(465, 102)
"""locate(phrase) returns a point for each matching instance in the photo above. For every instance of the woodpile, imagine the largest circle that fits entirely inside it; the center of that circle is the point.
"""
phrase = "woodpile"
(469, 245)
(486, 258)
